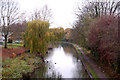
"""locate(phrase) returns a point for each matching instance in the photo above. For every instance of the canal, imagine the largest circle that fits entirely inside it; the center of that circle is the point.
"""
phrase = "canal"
(61, 62)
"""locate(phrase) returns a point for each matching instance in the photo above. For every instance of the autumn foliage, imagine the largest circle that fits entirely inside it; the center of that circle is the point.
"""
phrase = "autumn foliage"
(36, 36)
(103, 38)
(56, 34)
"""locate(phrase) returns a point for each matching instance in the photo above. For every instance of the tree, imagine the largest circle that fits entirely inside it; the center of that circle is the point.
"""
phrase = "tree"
(68, 34)
(17, 29)
(81, 29)
(86, 16)
(43, 14)
(103, 36)
(9, 11)
(99, 8)
(36, 36)
(96, 28)
(56, 34)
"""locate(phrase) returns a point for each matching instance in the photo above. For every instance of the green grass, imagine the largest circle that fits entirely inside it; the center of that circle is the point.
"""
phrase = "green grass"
(84, 50)
(12, 46)
(89, 67)
(92, 71)
(77, 49)
(15, 44)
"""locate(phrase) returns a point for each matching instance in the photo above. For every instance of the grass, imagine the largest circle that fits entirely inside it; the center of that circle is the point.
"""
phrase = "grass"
(15, 44)
(89, 67)
(84, 50)
(78, 51)
(92, 71)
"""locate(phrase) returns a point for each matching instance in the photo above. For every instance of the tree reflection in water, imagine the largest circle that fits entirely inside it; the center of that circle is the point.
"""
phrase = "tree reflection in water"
(61, 62)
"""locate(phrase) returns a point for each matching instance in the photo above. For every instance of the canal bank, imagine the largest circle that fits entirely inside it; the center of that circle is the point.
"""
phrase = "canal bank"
(61, 62)
(92, 69)
(19, 66)
(80, 55)
(61, 59)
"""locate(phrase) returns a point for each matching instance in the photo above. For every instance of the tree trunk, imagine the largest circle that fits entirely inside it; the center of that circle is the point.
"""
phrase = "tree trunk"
(24, 45)
(5, 41)
(118, 54)
(118, 61)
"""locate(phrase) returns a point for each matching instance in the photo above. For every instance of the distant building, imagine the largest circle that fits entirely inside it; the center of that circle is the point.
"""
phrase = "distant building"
(14, 38)
(68, 34)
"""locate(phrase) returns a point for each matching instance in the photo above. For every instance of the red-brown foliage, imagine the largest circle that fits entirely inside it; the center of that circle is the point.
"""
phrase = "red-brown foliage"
(103, 37)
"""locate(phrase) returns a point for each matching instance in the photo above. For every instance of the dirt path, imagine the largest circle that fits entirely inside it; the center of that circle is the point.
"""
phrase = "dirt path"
(92, 64)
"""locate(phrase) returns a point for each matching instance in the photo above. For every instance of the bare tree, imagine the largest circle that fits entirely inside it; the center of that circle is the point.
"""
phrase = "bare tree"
(43, 14)
(9, 11)
(17, 30)
(99, 8)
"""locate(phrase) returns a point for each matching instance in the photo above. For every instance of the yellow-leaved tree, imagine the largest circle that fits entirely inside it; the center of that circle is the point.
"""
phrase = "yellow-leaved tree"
(36, 37)
(56, 34)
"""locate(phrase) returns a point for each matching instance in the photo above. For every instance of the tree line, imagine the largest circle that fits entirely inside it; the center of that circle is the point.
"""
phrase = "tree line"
(12, 20)
(34, 32)
(97, 29)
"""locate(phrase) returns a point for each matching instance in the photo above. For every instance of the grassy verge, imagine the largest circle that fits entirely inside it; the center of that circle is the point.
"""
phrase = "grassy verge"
(92, 71)
(14, 44)
(77, 50)
(86, 50)
(16, 67)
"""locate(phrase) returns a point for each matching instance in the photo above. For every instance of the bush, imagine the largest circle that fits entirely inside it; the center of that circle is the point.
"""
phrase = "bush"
(103, 38)
(16, 67)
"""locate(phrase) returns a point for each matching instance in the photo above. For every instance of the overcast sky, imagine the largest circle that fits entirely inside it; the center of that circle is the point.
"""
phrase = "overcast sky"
(63, 10)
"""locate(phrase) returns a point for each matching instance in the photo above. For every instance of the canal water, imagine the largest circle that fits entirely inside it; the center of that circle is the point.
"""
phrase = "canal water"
(61, 62)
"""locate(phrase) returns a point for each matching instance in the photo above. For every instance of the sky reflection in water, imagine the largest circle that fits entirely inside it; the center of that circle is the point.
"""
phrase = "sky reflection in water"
(62, 62)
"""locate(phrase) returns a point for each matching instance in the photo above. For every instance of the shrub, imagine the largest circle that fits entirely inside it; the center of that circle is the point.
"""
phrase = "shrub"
(103, 38)
(16, 67)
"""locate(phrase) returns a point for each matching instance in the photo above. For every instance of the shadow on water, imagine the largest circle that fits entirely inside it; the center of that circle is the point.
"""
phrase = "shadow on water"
(61, 62)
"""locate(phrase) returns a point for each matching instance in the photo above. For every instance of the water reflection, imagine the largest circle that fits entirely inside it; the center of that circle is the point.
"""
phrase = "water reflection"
(61, 63)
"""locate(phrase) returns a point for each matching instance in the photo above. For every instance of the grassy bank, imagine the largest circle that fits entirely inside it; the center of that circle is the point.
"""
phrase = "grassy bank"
(14, 45)
(17, 66)
(89, 68)
(78, 51)
(92, 72)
